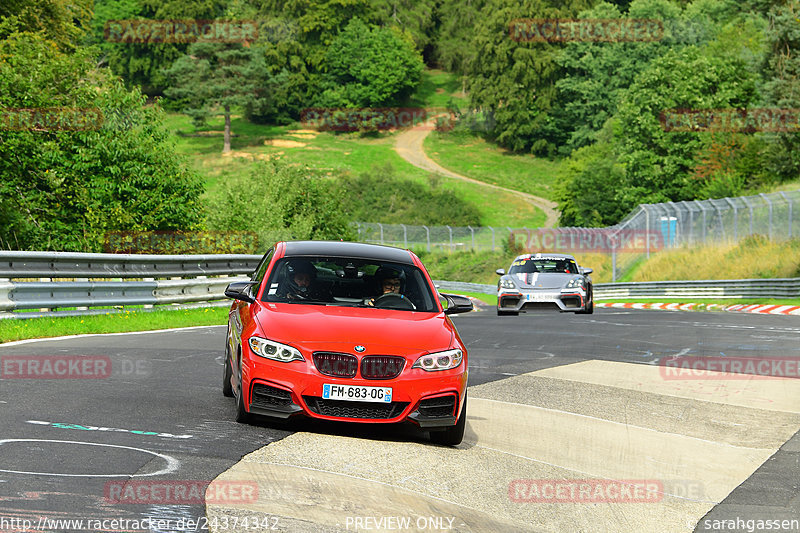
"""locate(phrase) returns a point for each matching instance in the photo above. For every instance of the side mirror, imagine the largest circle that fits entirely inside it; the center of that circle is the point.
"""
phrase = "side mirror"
(457, 304)
(587, 270)
(240, 290)
(501, 271)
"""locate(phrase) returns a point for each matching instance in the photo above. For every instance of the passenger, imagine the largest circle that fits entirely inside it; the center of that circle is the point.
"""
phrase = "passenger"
(301, 277)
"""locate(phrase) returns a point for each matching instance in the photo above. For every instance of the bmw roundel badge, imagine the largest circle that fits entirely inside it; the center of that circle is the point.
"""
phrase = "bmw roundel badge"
(360, 348)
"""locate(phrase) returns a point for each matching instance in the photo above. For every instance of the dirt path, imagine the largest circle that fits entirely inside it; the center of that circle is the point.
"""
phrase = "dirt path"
(409, 146)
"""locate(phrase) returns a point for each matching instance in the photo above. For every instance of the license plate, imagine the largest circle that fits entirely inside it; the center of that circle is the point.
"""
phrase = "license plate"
(355, 393)
(540, 297)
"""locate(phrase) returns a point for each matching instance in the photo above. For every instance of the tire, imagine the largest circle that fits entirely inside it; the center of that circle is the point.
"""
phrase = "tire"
(242, 416)
(227, 374)
(590, 309)
(452, 436)
(507, 313)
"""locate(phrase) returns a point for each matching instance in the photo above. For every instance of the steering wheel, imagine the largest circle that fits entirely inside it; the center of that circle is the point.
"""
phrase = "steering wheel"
(392, 300)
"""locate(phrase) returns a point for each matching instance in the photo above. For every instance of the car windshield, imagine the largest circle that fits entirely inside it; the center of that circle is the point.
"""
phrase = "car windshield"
(558, 265)
(349, 282)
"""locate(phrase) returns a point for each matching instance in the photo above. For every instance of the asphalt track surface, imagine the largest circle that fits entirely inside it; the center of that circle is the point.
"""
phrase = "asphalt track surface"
(552, 397)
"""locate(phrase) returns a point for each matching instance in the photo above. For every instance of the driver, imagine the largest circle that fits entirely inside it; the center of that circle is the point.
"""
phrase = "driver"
(389, 281)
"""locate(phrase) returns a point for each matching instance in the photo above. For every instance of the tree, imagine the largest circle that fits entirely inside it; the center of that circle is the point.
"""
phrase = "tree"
(515, 79)
(102, 161)
(63, 22)
(369, 67)
(459, 21)
(223, 75)
(281, 201)
(597, 74)
(658, 162)
(143, 64)
(594, 175)
(781, 71)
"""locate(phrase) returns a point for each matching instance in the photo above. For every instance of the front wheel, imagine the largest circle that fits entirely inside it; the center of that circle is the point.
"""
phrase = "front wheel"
(589, 309)
(452, 436)
(227, 374)
(242, 416)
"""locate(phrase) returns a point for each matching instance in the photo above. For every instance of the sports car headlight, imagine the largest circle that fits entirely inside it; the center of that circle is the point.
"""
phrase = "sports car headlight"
(439, 360)
(274, 350)
(575, 283)
(506, 283)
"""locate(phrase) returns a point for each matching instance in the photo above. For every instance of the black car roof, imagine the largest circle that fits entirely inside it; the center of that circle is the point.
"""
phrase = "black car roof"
(348, 249)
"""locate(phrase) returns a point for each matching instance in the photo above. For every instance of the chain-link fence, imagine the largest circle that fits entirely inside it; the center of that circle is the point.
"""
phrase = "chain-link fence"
(649, 228)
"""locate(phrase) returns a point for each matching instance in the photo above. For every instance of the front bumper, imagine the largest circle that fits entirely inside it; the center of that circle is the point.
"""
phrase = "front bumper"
(517, 301)
(283, 390)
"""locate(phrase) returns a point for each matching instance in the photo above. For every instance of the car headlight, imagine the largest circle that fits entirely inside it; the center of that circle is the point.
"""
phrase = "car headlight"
(575, 283)
(439, 360)
(506, 283)
(274, 350)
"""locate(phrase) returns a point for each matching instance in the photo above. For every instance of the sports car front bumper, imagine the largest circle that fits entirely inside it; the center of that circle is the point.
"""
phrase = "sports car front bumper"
(516, 301)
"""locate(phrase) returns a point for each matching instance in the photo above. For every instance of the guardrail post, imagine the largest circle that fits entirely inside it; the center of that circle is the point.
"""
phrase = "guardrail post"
(381, 227)
(451, 237)
(472, 231)
(492, 230)
(428, 237)
(405, 236)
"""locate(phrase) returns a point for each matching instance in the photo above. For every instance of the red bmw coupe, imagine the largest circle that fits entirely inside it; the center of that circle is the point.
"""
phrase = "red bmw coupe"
(347, 331)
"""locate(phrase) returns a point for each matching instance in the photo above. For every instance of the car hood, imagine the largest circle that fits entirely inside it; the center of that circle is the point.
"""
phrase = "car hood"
(384, 331)
(540, 280)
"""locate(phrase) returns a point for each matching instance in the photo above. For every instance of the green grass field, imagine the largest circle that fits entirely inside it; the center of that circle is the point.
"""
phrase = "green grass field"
(476, 158)
(34, 328)
(351, 153)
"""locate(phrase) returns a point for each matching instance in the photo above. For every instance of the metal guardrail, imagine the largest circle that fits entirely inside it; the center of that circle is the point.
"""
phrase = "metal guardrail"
(729, 289)
(87, 265)
(60, 294)
(47, 296)
(733, 289)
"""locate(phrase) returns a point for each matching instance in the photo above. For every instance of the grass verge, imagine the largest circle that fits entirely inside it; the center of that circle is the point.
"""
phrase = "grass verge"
(473, 157)
(35, 328)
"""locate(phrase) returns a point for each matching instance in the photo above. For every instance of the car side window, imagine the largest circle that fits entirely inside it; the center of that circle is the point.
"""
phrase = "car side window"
(258, 275)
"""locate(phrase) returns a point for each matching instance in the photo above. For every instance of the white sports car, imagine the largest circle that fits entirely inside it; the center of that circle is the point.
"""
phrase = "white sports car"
(544, 281)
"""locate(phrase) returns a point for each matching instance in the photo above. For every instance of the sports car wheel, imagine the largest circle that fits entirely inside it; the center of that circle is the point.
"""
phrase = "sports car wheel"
(452, 436)
(227, 374)
(242, 416)
(507, 313)
(589, 309)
